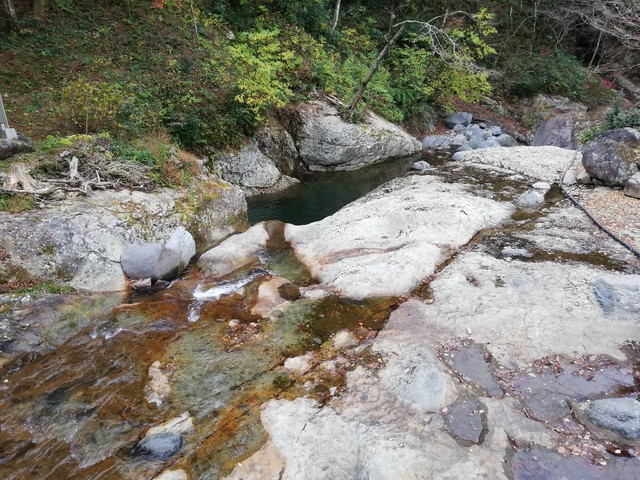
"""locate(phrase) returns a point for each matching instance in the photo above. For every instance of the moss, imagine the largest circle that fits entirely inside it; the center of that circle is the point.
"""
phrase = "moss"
(16, 203)
(42, 288)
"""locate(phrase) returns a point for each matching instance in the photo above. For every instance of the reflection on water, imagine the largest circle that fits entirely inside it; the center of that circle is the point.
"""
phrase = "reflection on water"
(323, 194)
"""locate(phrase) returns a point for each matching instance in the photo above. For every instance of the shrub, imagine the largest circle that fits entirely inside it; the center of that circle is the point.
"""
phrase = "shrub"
(616, 117)
(92, 106)
(559, 73)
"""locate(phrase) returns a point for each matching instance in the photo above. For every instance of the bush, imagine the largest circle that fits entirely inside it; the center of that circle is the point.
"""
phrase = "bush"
(616, 117)
(559, 74)
(92, 106)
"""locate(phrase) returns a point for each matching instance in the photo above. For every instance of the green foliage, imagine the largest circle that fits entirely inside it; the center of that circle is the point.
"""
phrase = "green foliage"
(616, 117)
(259, 65)
(45, 288)
(54, 142)
(559, 74)
(92, 106)
(590, 134)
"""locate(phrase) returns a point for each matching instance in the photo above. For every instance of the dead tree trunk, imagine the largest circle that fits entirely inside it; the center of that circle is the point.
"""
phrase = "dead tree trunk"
(336, 16)
(19, 178)
(374, 68)
(11, 13)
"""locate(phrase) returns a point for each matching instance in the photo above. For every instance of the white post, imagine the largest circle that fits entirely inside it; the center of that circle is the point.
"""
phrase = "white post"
(5, 131)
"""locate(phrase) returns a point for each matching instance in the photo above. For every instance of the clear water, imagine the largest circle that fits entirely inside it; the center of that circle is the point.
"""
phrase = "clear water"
(322, 194)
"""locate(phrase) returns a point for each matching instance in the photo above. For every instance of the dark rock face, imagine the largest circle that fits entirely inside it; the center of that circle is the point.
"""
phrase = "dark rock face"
(9, 148)
(556, 132)
(289, 291)
(613, 156)
(162, 446)
(459, 118)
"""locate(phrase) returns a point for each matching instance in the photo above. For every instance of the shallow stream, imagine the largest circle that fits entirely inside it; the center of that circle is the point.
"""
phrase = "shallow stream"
(86, 389)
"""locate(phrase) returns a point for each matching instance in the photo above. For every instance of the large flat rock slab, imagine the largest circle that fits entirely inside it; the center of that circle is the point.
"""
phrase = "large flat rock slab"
(527, 310)
(541, 163)
(388, 241)
(388, 425)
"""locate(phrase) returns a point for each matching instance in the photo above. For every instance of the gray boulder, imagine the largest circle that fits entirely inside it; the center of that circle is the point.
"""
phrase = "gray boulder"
(421, 166)
(556, 132)
(15, 146)
(505, 140)
(570, 178)
(459, 118)
(612, 156)
(489, 143)
(495, 130)
(253, 171)
(632, 187)
(616, 419)
(458, 140)
(474, 131)
(531, 199)
(462, 148)
(182, 242)
(584, 178)
(80, 241)
(326, 142)
(157, 261)
(248, 167)
(436, 142)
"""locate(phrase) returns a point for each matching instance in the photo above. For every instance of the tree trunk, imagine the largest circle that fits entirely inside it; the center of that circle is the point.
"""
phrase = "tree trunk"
(195, 21)
(336, 16)
(358, 97)
(19, 178)
(11, 12)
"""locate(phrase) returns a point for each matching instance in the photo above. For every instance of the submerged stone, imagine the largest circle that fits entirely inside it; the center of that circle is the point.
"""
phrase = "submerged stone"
(539, 463)
(616, 293)
(466, 420)
(471, 362)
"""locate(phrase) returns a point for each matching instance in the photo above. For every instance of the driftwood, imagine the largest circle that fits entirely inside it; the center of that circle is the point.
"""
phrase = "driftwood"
(19, 178)
(628, 85)
(20, 181)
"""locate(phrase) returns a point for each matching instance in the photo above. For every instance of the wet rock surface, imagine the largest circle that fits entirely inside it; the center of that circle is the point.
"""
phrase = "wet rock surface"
(162, 446)
(466, 420)
(616, 419)
(477, 369)
(401, 231)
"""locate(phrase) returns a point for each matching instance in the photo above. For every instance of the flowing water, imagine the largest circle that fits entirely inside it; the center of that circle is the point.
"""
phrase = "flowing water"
(80, 410)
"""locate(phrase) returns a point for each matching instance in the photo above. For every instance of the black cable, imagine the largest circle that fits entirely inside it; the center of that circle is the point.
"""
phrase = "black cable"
(588, 213)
